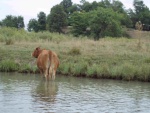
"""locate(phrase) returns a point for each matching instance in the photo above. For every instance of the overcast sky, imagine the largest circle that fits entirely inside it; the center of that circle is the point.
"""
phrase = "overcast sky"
(30, 8)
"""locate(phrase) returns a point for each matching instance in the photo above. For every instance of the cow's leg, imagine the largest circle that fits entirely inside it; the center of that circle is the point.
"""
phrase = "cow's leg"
(50, 72)
(47, 70)
(46, 74)
(41, 71)
(53, 74)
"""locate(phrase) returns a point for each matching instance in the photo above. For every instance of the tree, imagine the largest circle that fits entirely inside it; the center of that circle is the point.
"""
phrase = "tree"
(105, 22)
(66, 4)
(33, 25)
(73, 8)
(57, 19)
(79, 22)
(9, 21)
(13, 21)
(118, 6)
(86, 6)
(0, 23)
(106, 4)
(141, 12)
(41, 21)
(139, 6)
(20, 22)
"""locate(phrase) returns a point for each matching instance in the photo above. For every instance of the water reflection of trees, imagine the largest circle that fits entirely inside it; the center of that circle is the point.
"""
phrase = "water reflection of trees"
(46, 91)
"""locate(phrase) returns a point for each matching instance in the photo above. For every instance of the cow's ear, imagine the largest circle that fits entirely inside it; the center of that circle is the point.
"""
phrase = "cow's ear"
(37, 48)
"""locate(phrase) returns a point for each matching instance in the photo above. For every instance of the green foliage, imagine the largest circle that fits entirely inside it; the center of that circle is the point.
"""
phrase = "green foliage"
(9, 41)
(143, 73)
(107, 58)
(0, 23)
(65, 68)
(105, 22)
(33, 25)
(8, 66)
(86, 6)
(26, 68)
(13, 21)
(12, 35)
(57, 19)
(118, 7)
(73, 8)
(100, 19)
(147, 60)
(20, 22)
(128, 71)
(92, 71)
(141, 12)
(79, 21)
(79, 69)
(66, 5)
(92, 19)
(37, 25)
(42, 21)
(98, 71)
(75, 51)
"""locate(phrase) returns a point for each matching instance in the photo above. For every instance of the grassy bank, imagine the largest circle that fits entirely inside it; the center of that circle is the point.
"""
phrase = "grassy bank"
(113, 58)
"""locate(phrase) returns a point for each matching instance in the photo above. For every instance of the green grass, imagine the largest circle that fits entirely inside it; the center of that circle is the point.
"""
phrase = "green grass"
(112, 58)
(8, 66)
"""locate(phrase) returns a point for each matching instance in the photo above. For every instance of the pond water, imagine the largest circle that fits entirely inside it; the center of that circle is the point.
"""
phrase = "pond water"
(24, 93)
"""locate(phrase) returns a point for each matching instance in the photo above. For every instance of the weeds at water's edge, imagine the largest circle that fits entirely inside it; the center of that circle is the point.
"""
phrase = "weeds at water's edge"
(8, 66)
(126, 71)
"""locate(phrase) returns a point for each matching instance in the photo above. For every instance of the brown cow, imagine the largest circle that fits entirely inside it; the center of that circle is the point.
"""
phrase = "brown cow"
(47, 62)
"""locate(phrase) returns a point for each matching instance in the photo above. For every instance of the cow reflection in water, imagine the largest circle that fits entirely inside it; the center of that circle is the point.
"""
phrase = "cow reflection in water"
(46, 91)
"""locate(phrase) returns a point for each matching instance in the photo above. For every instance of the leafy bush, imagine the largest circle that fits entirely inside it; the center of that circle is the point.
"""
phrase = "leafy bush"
(79, 21)
(105, 22)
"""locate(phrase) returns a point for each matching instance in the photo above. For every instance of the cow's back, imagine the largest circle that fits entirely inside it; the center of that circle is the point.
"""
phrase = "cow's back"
(43, 60)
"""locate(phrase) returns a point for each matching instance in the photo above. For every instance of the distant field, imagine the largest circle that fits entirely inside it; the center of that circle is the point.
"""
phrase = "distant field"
(112, 58)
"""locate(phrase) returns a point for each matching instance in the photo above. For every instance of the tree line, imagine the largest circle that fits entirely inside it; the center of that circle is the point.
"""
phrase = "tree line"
(97, 19)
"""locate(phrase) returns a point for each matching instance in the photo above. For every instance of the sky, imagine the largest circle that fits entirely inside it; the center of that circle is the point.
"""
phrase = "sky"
(29, 9)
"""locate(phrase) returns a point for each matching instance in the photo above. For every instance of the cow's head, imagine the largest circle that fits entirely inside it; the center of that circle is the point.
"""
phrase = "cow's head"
(36, 52)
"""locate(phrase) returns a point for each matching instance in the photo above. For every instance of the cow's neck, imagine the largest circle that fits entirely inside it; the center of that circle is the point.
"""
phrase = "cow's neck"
(39, 52)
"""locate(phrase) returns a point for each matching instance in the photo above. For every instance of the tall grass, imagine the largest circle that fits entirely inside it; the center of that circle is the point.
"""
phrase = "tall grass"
(113, 58)
(8, 66)
(14, 34)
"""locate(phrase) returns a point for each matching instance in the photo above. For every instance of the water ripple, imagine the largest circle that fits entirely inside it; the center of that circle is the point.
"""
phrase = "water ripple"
(33, 94)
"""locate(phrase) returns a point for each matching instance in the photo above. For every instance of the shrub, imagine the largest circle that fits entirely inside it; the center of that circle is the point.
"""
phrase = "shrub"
(9, 41)
(75, 51)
